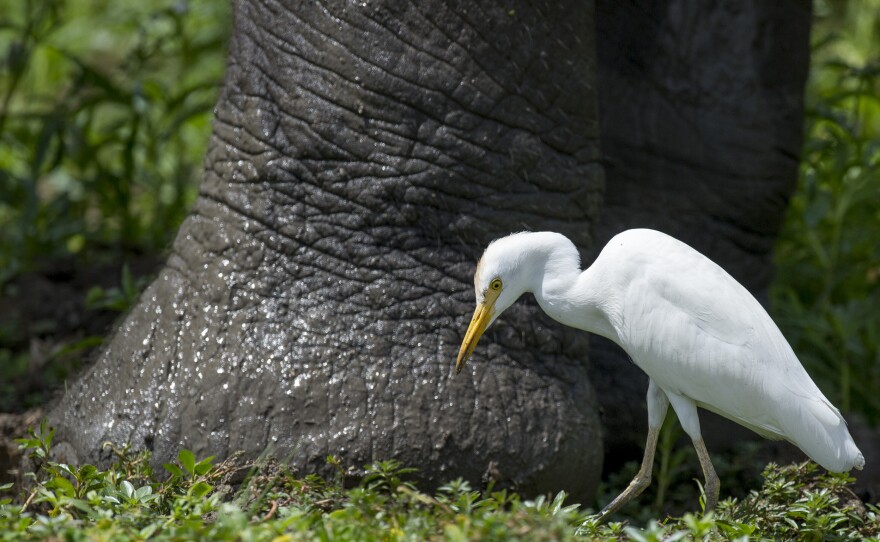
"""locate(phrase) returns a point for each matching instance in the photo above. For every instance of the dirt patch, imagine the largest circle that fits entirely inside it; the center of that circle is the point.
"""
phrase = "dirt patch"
(13, 426)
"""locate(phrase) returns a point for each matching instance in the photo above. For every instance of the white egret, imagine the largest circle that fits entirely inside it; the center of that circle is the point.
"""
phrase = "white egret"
(701, 337)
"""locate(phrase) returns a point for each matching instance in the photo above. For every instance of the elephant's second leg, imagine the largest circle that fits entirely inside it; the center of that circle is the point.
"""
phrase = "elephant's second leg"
(657, 407)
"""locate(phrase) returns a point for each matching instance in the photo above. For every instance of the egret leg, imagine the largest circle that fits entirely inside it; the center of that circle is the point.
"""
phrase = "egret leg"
(657, 407)
(713, 484)
(686, 410)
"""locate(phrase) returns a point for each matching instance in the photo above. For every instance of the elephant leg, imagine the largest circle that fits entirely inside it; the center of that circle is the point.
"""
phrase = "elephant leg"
(313, 301)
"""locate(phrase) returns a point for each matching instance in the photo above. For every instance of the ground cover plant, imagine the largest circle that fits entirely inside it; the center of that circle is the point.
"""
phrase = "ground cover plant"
(198, 499)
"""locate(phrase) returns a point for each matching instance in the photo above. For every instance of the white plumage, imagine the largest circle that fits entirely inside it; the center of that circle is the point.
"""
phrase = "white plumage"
(700, 336)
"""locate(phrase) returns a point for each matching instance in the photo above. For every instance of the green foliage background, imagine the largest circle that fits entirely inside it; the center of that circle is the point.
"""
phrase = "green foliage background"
(106, 109)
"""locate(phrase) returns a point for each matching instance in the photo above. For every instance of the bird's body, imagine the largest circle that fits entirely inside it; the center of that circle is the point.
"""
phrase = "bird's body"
(700, 336)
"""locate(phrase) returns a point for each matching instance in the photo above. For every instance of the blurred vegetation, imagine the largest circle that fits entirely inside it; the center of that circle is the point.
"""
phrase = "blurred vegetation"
(105, 111)
(826, 296)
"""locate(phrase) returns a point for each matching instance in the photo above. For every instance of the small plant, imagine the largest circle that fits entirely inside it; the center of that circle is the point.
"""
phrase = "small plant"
(116, 298)
(191, 470)
(39, 445)
(386, 476)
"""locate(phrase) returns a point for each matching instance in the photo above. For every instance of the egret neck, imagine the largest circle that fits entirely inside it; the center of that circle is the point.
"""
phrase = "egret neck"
(573, 297)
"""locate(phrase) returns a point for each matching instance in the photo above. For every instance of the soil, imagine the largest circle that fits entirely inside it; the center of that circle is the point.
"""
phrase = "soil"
(13, 426)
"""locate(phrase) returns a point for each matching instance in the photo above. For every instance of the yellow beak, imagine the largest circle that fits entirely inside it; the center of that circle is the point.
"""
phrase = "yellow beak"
(481, 319)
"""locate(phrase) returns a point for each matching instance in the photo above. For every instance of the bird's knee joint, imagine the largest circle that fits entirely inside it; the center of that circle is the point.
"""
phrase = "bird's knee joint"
(640, 483)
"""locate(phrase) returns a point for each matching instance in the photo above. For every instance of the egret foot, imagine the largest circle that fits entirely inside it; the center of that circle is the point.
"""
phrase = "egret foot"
(635, 488)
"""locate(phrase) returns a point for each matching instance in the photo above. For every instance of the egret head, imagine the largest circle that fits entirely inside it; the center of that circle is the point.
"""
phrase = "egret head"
(500, 280)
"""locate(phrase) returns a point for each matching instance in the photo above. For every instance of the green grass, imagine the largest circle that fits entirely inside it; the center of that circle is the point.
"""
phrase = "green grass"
(267, 500)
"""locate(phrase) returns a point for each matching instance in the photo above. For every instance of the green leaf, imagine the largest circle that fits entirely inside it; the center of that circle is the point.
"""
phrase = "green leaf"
(173, 469)
(63, 485)
(199, 489)
(81, 505)
(94, 297)
(127, 489)
(188, 460)
(78, 346)
(88, 472)
(143, 492)
(149, 530)
(128, 284)
(27, 443)
(203, 466)
(46, 434)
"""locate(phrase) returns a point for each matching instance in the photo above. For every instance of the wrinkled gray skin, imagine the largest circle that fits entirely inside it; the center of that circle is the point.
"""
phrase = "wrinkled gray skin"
(363, 155)
(701, 113)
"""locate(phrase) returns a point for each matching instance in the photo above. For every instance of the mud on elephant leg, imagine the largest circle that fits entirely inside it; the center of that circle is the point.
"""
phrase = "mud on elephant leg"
(314, 300)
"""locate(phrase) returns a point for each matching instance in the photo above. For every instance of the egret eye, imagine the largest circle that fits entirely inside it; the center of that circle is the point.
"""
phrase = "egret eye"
(495, 284)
